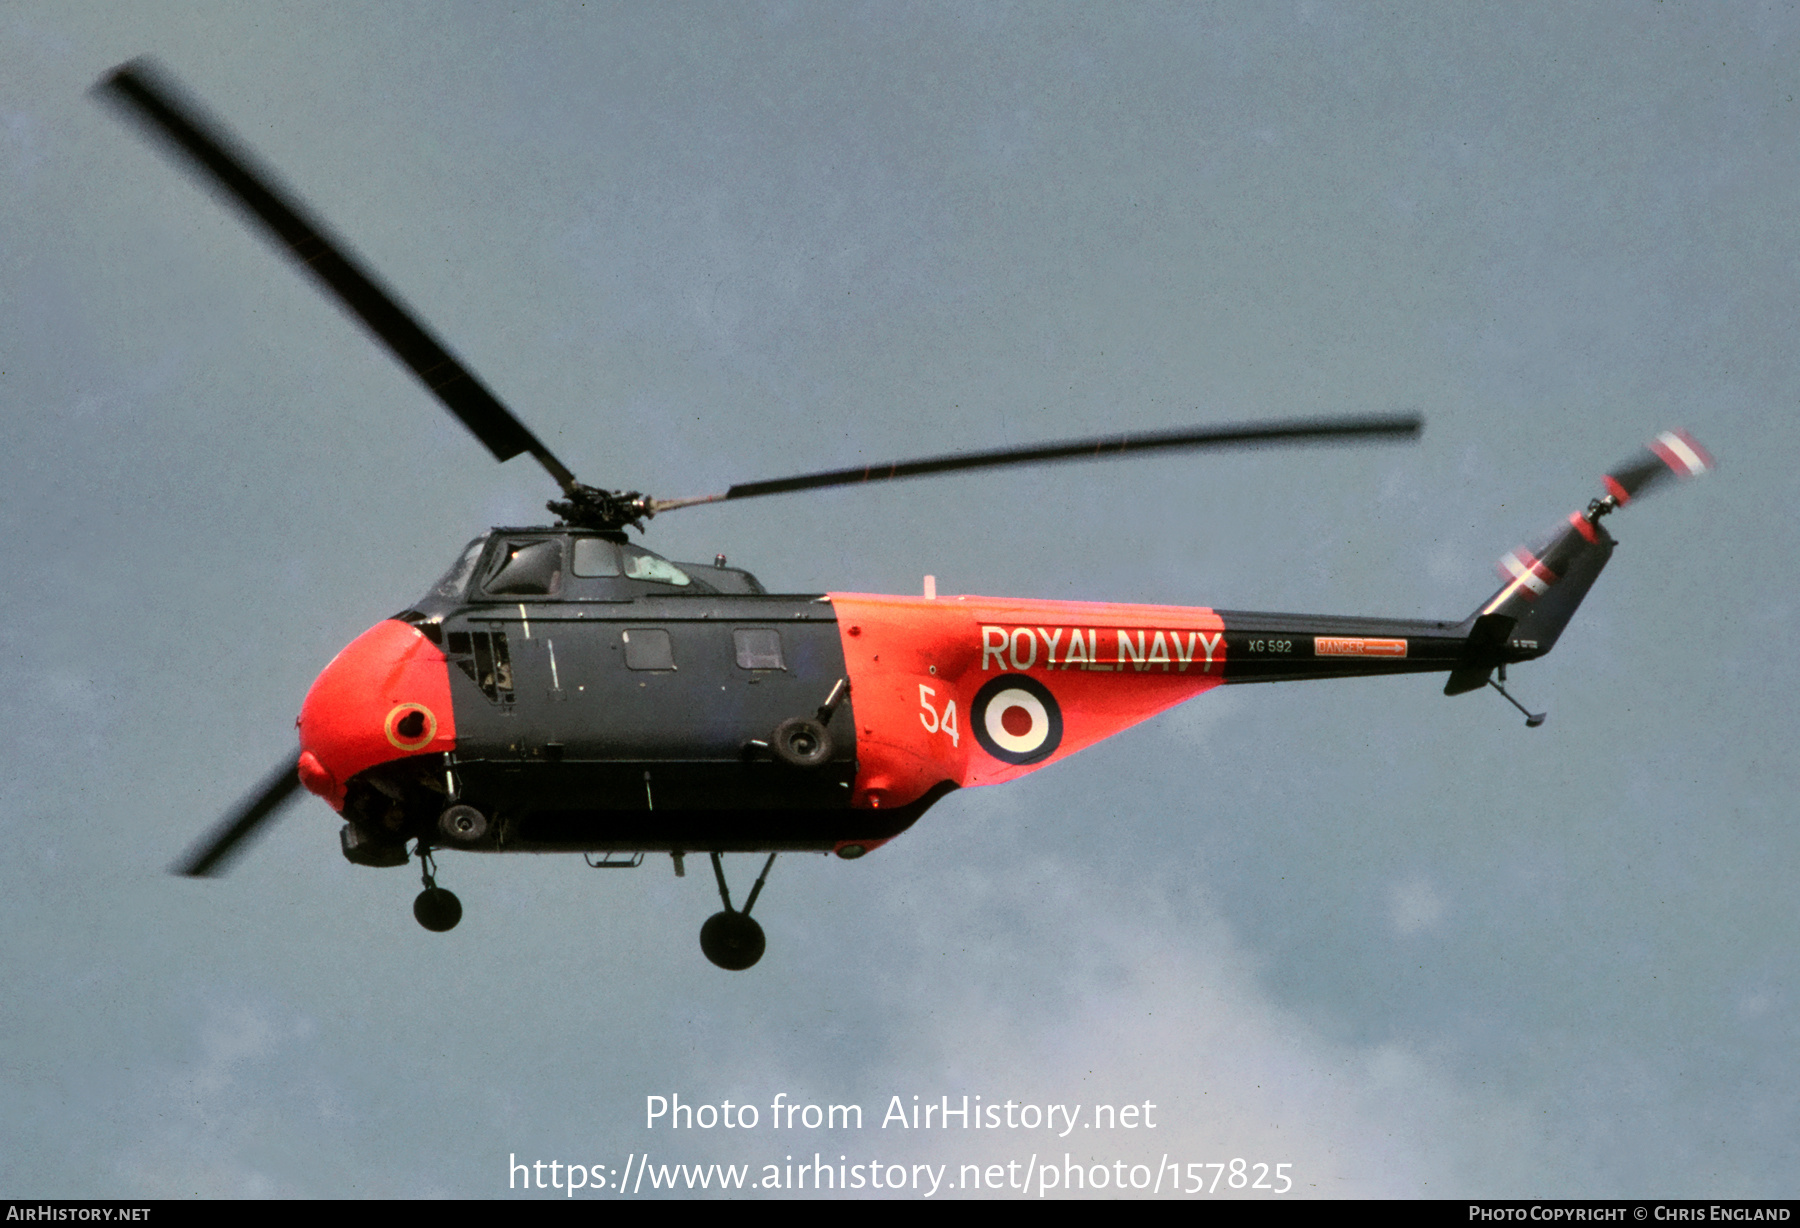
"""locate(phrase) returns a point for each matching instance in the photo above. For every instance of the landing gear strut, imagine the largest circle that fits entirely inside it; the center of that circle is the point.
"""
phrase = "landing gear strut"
(731, 939)
(437, 909)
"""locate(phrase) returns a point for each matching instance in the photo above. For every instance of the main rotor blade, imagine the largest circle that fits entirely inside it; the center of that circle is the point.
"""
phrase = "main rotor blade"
(1244, 435)
(148, 96)
(209, 857)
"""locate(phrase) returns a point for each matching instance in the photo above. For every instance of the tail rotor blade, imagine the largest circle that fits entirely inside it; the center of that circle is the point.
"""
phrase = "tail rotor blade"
(1672, 454)
(210, 856)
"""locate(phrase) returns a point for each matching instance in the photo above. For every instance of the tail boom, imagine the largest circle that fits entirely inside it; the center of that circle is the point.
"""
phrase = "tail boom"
(1262, 647)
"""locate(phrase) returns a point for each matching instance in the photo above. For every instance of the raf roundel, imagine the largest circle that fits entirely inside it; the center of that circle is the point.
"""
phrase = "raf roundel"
(1017, 720)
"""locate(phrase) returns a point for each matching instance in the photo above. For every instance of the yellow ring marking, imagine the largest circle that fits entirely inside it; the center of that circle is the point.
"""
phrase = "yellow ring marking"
(394, 718)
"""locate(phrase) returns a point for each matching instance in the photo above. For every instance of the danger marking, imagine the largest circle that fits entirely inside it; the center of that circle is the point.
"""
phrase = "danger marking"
(1356, 646)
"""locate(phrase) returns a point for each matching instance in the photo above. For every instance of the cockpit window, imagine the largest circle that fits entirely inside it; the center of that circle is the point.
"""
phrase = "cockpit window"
(531, 568)
(640, 564)
(595, 556)
(456, 580)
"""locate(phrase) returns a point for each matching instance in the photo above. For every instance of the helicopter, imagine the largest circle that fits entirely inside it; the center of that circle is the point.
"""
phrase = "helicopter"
(564, 689)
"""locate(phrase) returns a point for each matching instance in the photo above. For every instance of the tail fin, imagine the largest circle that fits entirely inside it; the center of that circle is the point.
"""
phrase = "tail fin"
(1543, 587)
(1544, 584)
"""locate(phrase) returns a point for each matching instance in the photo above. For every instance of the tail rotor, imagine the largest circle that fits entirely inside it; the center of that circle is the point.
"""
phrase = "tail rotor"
(1543, 583)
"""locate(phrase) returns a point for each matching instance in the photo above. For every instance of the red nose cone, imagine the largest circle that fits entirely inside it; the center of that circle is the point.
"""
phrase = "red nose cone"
(384, 697)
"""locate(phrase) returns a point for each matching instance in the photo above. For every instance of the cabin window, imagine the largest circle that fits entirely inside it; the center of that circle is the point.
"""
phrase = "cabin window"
(595, 556)
(648, 648)
(758, 648)
(527, 569)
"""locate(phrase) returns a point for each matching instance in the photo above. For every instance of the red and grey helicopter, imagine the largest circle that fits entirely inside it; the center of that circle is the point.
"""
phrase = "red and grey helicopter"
(563, 689)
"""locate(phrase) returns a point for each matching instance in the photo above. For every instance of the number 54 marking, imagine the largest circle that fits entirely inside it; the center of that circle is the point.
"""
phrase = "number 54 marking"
(934, 723)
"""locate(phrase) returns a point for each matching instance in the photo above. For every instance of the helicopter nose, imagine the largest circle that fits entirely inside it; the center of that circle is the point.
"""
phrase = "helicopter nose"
(385, 697)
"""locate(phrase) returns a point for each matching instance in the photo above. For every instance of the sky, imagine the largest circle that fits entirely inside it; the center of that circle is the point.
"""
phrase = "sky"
(1398, 943)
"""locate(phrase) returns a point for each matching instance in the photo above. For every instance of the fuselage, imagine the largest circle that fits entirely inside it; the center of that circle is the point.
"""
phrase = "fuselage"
(586, 694)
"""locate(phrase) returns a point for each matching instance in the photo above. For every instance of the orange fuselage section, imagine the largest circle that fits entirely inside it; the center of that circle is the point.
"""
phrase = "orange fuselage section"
(980, 690)
(384, 697)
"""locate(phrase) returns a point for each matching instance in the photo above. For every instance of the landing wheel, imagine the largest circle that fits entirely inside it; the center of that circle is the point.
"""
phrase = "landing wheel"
(730, 939)
(801, 742)
(463, 824)
(437, 910)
